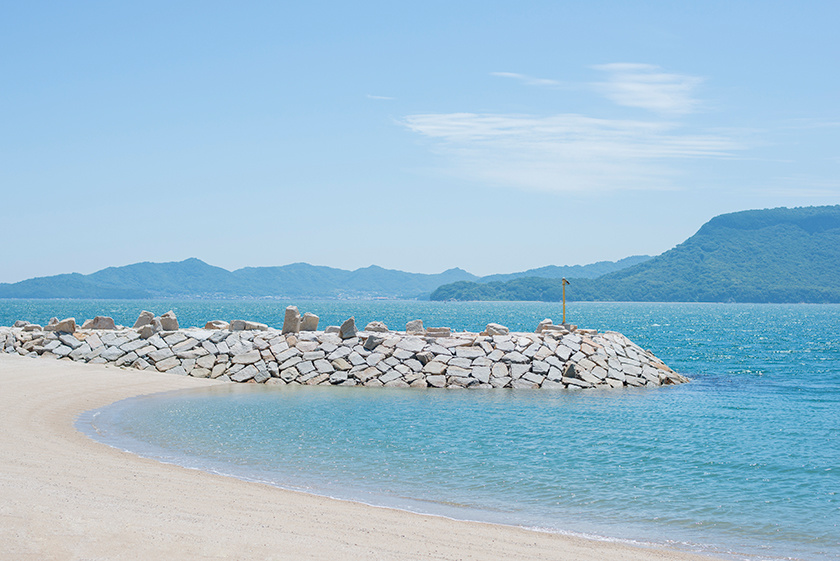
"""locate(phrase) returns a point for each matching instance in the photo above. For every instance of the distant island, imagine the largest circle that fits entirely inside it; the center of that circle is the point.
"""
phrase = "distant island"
(774, 255)
(193, 278)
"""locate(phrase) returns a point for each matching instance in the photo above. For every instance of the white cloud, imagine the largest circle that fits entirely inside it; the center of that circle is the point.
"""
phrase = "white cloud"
(570, 152)
(645, 86)
(380, 97)
(565, 152)
(529, 80)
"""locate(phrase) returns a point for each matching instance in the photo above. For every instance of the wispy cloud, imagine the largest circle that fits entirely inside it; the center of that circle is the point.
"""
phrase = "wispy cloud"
(525, 79)
(380, 97)
(645, 86)
(572, 152)
(565, 152)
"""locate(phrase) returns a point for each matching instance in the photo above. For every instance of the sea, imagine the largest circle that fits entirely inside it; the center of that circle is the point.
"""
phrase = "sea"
(743, 462)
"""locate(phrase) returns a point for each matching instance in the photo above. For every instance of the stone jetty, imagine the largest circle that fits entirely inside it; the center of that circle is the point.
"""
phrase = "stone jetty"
(552, 357)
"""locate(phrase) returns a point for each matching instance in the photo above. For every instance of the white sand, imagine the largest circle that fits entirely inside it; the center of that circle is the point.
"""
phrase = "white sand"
(64, 496)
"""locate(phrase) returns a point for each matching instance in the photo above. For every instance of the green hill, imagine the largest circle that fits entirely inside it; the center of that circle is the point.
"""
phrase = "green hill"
(591, 271)
(774, 255)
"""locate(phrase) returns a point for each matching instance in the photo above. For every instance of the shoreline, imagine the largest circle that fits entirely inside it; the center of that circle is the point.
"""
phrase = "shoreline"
(67, 496)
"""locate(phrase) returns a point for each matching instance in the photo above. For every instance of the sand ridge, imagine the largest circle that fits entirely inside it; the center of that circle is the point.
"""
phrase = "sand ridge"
(65, 496)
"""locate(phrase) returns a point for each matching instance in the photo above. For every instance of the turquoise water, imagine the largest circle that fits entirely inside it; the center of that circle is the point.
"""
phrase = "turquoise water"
(744, 461)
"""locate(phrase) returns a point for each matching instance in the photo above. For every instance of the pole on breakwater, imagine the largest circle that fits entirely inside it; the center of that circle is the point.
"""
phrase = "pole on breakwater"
(564, 282)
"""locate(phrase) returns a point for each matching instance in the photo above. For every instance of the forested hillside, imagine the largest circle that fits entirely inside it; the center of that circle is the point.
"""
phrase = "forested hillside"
(775, 255)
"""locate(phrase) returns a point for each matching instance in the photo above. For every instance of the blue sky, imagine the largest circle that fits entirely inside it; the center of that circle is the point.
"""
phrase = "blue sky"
(492, 136)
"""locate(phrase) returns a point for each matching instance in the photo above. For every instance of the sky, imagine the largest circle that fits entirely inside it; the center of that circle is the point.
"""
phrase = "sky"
(491, 136)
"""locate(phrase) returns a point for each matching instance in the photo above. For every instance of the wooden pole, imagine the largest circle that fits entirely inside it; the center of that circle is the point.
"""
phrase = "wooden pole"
(564, 282)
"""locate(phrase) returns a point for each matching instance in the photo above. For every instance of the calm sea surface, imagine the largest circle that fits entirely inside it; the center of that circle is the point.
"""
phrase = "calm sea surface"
(743, 461)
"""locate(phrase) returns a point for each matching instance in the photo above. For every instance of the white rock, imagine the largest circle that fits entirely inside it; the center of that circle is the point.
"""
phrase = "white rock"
(245, 374)
(436, 381)
(99, 322)
(469, 352)
(69, 340)
(411, 344)
(518, 370)
(493, 329)
(243, 325)
(168, 321)
(291, 321)
(309, 322)
(376, 327)
(145, 318)
(348, 329)
(415, 327)
(482, 374)
(515, 357)
(434, 367)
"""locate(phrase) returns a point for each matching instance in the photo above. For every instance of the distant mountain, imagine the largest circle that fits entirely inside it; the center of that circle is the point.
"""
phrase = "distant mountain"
(591, 271)
(194, 278)
(773, 255)
(309, 281)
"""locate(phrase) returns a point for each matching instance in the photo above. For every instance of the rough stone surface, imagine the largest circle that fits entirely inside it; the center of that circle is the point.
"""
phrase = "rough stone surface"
(348, 329)
(291, 321)
(571, 358)
(168, 321)
(243, 325)
(249, 357)
(309, 322)
(376, 327)
(438, 332)
(415, 327)
(145, 318)
(411, 344)
(496, 329)
(99, 322)
(64, 326)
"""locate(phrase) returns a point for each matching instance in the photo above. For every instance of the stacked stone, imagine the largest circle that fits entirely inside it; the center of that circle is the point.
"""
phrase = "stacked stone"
(555, 357)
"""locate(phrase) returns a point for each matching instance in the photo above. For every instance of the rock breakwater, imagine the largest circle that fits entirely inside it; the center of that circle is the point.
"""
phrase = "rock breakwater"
(553, 357)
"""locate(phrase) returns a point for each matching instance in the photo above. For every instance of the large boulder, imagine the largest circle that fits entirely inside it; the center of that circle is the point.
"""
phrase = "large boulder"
(376, 327)
(99, 322)
(291, 321)
(216, 324)
(496, 329)
(309, 322)
(372, 342)
(147, 331)
(64, 326)
(169, 322)
(415, 327)
(348, 329)
(145, 318)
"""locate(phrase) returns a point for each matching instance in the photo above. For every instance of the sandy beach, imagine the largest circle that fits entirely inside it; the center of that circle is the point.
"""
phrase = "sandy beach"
(65, 496)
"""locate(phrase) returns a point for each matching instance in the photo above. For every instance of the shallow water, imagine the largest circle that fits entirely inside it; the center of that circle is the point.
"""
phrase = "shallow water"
(745, 460)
